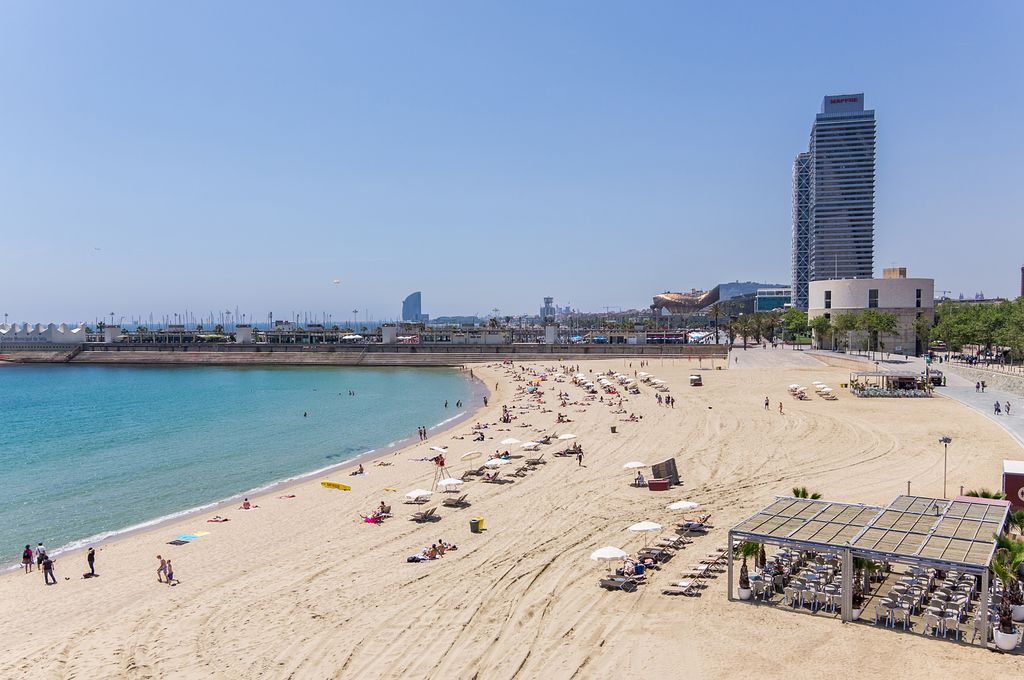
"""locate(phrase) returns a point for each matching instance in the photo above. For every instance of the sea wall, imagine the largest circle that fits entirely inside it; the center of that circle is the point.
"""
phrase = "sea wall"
(1000, 381)
(383, 355)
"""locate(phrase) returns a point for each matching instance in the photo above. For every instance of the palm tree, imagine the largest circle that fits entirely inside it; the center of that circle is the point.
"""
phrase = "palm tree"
(746, 549)
(822, 327)
(802, 492)
(715, 313)
(985, 493)
(861, 569)
(1007, 559)
(1015, 520)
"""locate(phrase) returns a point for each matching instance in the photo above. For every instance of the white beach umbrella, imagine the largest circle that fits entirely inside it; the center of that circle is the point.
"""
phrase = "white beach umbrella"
(496, 462)
(608, 553)
(451, 481)
(471, 455)
(684, 505)
(438, 449)
(794, 387)
(418, 493)
(510, 440)
(567, 435)
(634, 465)
(643, 374)
(645, 527)
(529, 445)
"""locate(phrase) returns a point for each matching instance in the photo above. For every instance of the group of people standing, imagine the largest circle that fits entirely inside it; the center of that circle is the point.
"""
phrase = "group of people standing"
(44, 563)
(669, 400)
(422, 432)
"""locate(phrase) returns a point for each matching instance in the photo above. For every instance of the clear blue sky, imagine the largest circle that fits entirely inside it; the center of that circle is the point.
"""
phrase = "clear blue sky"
(245, 154)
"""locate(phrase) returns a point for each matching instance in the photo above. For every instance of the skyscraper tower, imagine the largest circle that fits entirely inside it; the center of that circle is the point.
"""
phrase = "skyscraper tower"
(841, 197)
(801, 228)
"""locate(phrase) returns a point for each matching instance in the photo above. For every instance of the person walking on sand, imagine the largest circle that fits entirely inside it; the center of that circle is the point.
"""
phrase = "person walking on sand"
(90, 557)
(26, 559)
(161, 571)
(40, 555)
(170, 573)
(767, 403)
(579, 458)
(780, 408)
(48, 570)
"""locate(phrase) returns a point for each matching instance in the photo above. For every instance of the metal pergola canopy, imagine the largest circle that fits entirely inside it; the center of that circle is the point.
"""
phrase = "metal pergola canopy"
(912, 530)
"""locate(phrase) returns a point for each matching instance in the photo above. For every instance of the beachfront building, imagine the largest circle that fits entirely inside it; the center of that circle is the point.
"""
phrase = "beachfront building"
(412, 309)
(767, 299)
(30, 335)
(906, 298)
(834, 197)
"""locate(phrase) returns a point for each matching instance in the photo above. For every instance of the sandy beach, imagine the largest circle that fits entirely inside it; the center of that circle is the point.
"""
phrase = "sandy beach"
(302, 588)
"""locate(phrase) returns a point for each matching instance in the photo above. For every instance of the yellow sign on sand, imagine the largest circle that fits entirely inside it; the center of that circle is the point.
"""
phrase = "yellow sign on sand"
(335, 485)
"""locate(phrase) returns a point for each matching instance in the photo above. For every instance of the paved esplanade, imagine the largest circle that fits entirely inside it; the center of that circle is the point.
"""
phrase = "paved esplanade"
(757, 357)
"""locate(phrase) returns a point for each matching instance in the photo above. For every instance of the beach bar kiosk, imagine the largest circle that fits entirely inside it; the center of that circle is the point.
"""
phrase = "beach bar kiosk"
(1013, 483)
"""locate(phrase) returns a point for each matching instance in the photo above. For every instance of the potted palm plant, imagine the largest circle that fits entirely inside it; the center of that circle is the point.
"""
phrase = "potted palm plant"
(802, 492)
(1012, 556)
(1004, 564)
(746, 549)
(862, 568)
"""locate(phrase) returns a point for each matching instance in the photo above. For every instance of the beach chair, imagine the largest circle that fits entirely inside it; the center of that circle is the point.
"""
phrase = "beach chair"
(687, 587)
(618, 583)
(386, 511)
(459, 502)
(539, 460)
(656, 554)
(673, 542)
(521, 471)
(428, 515)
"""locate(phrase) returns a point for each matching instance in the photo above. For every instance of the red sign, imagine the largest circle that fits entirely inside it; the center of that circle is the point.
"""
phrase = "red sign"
(1013, 487)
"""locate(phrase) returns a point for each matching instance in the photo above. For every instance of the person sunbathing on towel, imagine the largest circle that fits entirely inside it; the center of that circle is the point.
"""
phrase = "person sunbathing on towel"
(217, 518)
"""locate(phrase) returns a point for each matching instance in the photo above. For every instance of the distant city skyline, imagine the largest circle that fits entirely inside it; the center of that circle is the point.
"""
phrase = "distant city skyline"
(334, 157)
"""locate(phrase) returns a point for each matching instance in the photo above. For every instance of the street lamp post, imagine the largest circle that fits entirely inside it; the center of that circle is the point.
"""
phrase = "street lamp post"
(945, 441)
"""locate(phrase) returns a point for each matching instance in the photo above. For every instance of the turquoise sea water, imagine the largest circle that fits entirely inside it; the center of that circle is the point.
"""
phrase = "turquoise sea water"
(90, 450)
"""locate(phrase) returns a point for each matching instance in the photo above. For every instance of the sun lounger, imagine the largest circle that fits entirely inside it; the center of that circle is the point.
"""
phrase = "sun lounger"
(459, 502)
(428, 515)
(673, 542)
(656, 554)
(491, 478)
(618, 583)
(539, 460)
(687, 586)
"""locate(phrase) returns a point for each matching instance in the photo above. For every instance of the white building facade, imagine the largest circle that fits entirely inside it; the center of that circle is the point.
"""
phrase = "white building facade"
(906, 298)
